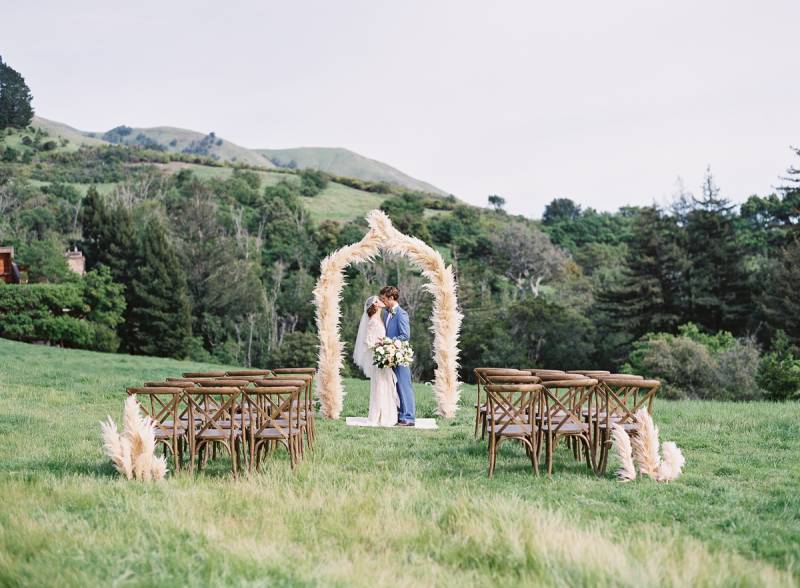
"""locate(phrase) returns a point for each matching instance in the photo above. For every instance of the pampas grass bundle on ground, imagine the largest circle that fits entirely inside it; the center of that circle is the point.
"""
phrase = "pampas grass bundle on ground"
(133, 451)
(622, 441)
(645, 445)
(644, 449)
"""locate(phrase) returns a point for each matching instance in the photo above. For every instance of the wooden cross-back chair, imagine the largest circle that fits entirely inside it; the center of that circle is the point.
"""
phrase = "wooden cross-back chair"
(494, 378)
(273, 417)
(512, 406)
(619, 397)
(217, 374)
(302, 384)
(214, 421)
(307, 375)
(162, 404)
(480, 381)
(560, 415)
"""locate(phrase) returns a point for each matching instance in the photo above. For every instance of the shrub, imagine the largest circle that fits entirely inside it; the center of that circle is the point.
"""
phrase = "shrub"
(312, 182)
(82, 313)
(694, 364)
(298, 349)
(779, 370)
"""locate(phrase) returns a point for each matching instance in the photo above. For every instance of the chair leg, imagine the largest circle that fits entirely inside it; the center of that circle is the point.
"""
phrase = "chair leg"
(548, 441)
(492, 453)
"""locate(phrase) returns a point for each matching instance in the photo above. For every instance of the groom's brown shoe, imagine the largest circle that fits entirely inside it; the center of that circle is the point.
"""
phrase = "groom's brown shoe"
(404, 424)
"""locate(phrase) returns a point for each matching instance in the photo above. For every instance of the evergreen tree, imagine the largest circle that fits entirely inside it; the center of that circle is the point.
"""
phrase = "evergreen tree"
(780, 301)
(15, 99)
(649, 297)
(108, 236)
(158, 318)
(719, 297)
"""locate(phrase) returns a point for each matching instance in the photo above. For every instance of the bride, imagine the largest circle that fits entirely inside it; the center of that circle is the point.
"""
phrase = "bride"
(383, 399)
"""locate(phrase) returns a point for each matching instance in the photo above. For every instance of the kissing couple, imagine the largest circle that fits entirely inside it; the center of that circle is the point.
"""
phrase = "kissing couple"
(391, 397)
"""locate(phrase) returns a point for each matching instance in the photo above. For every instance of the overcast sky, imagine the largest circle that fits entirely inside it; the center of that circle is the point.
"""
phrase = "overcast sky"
(603, 102)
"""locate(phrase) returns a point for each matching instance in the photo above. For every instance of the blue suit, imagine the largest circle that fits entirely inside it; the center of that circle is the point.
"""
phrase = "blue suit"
(399, 327)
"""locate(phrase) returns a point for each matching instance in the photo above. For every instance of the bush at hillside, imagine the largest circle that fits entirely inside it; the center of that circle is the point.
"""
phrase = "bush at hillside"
(694, 364)
(779, 371)
(81, 313)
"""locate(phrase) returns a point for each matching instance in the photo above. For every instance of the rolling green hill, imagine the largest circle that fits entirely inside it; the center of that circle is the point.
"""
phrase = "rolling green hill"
(342, 162)
(169, 139)
(332, 160)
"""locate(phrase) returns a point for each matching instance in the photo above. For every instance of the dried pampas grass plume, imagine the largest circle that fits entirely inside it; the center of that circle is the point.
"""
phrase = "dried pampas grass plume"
(672, 462)
(446, 320)
(645, 445)
(133, 451)
(622, 441)
(117, 449)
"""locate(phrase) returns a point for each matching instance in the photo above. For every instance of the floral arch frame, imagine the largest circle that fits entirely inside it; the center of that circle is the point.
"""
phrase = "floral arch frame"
(446, 318)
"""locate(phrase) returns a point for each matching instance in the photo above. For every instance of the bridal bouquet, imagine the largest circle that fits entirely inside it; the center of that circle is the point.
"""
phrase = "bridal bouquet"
(389, 353)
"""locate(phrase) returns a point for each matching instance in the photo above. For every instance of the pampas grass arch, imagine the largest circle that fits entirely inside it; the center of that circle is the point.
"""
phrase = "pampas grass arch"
(446, 319)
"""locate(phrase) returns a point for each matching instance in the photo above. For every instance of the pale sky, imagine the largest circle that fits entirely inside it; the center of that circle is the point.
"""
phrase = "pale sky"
(603, 102)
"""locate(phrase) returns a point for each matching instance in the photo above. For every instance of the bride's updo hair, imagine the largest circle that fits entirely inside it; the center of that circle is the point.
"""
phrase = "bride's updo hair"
(371, 307)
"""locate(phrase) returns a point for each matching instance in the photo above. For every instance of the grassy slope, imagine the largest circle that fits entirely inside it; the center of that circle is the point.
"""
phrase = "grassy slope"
(382, 506)
(343, 162)
(163, 135)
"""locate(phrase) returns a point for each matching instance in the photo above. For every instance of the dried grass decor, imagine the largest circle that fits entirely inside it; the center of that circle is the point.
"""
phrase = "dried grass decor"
(663, 466)
(446, 320)
(133, 451)
(627, 471)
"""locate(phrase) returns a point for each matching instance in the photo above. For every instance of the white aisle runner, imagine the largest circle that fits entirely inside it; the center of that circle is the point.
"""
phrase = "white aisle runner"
(419, 424)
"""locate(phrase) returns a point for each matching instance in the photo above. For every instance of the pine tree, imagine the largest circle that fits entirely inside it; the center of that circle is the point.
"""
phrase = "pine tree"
(15, 99)
(109, 237)
(780, 302)
(649, 297)
(158, 316)
(719, 297)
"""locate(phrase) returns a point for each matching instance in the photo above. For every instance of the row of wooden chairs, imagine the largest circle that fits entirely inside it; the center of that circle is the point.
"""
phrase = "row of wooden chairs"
(540, 407)
(245, 412)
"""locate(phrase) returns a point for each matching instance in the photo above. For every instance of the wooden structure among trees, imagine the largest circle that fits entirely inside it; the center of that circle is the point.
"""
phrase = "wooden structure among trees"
(6, 267)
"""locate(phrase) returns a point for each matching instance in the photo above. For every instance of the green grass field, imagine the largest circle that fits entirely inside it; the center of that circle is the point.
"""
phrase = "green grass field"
(382, 506)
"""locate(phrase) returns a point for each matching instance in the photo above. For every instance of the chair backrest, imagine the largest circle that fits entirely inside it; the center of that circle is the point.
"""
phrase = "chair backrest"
(271, 407)
(296, 370)
(621, 397)
(550, 377)
(170, 384)
(161, 403)
(203, 374)
(512, 379)
(510, 404)
(212, 408)
(619, 377)
(563, 401)
(590, 373)
(544, 372)
(237, 373)
(224, 383)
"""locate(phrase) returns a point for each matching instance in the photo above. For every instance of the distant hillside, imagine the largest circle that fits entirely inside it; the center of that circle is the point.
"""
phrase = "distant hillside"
(333, 160)
(169, 139)
(342, 162)
(57, 129)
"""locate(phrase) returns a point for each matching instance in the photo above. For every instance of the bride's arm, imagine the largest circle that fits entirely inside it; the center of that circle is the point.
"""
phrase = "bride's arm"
(375, 333)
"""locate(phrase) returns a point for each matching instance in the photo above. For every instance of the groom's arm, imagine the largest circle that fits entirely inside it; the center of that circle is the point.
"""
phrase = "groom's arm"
(403, 327)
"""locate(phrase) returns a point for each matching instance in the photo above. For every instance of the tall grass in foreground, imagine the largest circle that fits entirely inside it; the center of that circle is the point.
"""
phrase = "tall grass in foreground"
(382, 507)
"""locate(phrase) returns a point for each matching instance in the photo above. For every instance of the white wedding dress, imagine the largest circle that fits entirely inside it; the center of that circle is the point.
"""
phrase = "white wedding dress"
(383, 399)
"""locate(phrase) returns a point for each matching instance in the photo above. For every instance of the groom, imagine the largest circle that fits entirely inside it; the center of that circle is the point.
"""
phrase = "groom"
(398, 327)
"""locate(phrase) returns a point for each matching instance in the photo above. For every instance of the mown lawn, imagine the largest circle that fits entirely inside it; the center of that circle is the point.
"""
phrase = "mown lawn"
(382, 507)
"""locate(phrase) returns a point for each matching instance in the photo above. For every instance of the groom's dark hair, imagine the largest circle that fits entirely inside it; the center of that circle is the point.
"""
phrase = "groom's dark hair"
(390, 292)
